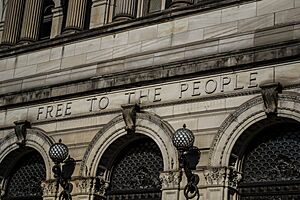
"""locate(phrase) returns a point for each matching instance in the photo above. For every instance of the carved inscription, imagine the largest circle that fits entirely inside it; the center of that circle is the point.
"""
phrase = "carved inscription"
(165, 92)
(54, 111)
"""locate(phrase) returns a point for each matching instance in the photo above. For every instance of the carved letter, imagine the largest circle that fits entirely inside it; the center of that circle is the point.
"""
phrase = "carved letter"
(225, 81)
(196, 88)
(183, 87)
(92, 103)
(68, 108)
(129, 96)
(212, 90)
(40, 111)
(103, 103)
(156, 95)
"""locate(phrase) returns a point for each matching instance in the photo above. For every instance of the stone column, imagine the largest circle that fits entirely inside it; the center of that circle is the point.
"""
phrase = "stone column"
(98, 13)
(125, 9)
(57, 21)
(76, 15)
(180, 3)
(13, 22)
(32, 20)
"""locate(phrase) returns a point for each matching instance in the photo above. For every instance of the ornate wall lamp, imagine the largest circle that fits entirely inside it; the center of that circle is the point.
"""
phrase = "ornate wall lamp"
(63, 169)
(183, 140)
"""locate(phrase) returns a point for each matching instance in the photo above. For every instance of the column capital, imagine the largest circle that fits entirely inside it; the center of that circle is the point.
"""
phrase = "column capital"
(49, 188)
(170, 179)
(215, 175)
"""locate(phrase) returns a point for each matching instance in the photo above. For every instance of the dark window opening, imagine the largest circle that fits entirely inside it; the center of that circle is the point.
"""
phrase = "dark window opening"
(26, 177)
(88, 15)
(271, 165)
(135, 172)
(46, 20)
(64, 4)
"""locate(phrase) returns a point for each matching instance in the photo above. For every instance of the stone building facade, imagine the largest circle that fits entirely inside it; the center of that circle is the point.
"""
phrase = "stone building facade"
(114, 79)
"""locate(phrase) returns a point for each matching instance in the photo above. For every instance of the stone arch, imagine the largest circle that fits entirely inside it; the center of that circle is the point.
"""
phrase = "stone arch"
(36, 139)
(146, 124)
(247, 114)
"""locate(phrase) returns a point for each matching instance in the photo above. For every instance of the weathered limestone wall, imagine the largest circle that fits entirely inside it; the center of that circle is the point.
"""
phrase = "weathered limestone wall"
(198, 35)
(43, 87)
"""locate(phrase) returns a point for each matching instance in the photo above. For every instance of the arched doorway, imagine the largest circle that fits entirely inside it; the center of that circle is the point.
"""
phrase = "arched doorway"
(23, 170)
(132, 165)
(268, 155)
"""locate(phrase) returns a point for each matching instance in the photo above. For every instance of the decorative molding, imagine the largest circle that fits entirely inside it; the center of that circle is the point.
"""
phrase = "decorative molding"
(129, 116)
(270, 93)
(215, 176)
(171, 179)
(292, 97)
(229, 120)
(164, 126)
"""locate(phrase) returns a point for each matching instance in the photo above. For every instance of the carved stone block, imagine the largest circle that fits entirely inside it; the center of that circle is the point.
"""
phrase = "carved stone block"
(129, 116)
(21, 130)
(270, 93)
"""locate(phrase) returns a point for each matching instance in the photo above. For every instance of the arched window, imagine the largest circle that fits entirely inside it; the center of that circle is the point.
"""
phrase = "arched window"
(25, 177)
(46, 24)
(271, 165)
(134, 171)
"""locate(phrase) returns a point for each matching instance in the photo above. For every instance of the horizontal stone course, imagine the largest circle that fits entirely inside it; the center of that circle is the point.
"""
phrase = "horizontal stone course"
(175, 69)
(271, 6)
(163, 42)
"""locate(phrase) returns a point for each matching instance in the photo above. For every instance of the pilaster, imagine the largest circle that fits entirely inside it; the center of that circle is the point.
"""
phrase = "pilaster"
(98, 13)
(57, 21)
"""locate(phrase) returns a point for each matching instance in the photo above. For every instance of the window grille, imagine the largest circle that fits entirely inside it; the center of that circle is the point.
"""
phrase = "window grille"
(135, 174)
(271, 169)
(25, 179)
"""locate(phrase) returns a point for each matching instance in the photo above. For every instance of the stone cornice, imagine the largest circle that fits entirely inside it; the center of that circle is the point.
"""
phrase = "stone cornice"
(218, 63)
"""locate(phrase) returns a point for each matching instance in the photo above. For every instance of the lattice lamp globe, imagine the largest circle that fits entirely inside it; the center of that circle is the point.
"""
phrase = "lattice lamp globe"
(183, 139)
(58, 152)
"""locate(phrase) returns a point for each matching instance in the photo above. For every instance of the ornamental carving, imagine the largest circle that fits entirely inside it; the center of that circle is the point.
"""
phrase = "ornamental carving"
(215, 176)
(99, 186)
(234, 178)
(129, 116)
(49, 187)
(84, 185)
(21, 130)
(270, 93)
(170, 180)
